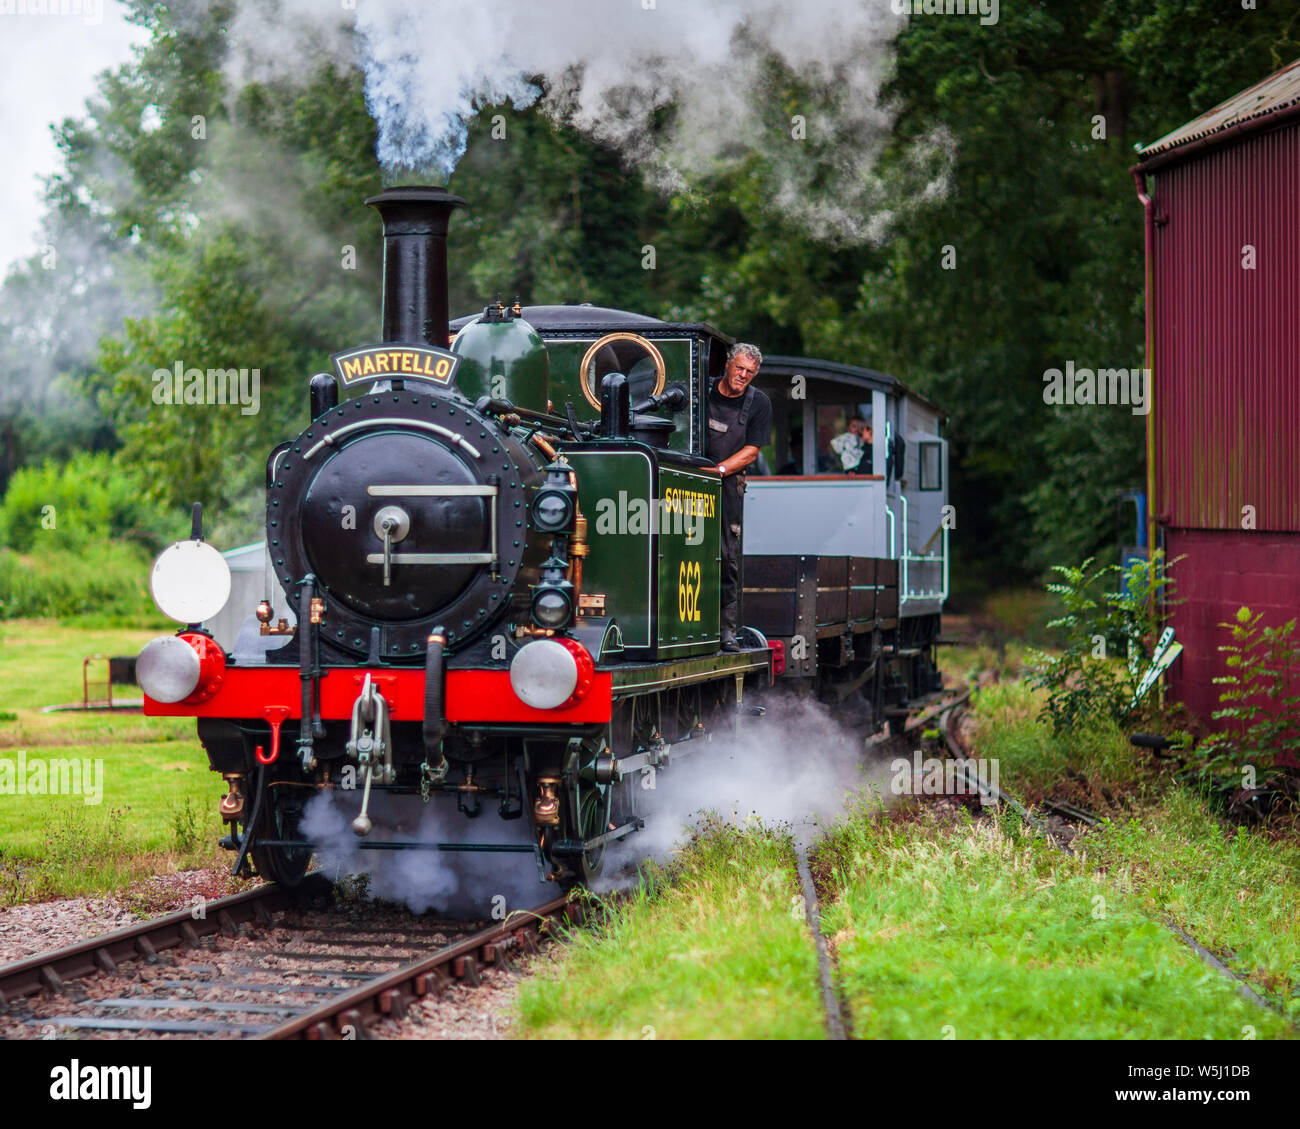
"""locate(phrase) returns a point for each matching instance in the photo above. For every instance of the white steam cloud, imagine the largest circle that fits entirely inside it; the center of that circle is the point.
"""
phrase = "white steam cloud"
(463, 884)
(684, 89)
(799, 766)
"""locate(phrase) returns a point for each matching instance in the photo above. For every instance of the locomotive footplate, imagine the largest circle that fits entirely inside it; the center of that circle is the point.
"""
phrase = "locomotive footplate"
(640, 678)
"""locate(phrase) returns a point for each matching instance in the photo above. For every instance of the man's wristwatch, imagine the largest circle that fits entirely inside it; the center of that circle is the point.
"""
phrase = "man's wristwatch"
(722, 470)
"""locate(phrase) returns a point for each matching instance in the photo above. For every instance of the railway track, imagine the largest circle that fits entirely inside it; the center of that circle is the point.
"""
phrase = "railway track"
(948, 718)
(269, 963)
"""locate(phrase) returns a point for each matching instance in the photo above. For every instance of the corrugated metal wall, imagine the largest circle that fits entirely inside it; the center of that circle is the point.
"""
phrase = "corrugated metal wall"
(1220, 572)
(1227, 339)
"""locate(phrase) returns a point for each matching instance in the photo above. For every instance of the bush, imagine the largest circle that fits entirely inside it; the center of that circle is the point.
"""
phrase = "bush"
(1084, 683)
(83, 504)
(1261, 694)
(55, 581)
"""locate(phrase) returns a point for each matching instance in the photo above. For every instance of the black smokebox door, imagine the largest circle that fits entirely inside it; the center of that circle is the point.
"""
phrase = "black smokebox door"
(338, 555)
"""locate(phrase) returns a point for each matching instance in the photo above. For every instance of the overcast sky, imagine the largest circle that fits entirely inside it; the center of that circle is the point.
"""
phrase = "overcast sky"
(48, 65)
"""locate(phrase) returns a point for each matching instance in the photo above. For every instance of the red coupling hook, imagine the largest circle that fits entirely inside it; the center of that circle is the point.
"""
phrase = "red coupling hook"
(275, 715)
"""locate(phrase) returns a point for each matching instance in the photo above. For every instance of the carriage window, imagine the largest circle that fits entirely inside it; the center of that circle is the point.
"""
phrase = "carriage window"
(931, 466)
(844, 438)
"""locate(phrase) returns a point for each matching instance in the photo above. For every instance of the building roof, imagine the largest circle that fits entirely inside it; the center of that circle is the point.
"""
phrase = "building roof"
(1279, 94)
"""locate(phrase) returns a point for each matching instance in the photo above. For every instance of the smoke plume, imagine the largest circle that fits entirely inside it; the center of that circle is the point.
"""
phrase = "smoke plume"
(683, 89)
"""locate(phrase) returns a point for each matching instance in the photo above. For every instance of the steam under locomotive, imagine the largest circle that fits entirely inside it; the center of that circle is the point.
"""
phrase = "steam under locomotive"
(496, 571)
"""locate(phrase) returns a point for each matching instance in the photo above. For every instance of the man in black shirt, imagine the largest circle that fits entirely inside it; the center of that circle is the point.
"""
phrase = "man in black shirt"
(740, 422)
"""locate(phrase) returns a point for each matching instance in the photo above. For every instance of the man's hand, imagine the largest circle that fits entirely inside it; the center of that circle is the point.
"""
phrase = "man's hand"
(739, 461)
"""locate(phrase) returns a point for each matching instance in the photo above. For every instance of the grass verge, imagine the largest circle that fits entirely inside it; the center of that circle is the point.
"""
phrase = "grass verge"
(971, 929)
(156, 811)
(1235, 889)
(1090, 765)
(714, 946)
(157, 808)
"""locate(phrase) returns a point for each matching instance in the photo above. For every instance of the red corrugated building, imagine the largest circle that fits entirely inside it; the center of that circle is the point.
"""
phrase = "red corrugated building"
(1222, 203)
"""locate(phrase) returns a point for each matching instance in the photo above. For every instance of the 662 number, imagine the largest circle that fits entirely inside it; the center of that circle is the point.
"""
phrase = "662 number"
(688, 592)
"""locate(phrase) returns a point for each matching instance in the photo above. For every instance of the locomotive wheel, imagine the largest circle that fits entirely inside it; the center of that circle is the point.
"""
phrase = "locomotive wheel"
(633, 728)
(586, 816)
(280, 820)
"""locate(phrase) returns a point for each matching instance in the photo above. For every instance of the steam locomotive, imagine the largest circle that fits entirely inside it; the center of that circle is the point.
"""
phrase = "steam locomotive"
(494, 559)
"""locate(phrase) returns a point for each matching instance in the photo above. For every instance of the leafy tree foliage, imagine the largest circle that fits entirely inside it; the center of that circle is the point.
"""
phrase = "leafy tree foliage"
(221, 226)
(80, 504)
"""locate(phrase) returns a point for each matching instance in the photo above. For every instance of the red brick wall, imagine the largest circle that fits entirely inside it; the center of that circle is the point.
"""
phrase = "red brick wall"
(1223, 570)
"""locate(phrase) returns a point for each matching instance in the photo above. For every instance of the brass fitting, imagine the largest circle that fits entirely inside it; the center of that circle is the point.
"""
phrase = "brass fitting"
(544, 443)
(528, 631)
(264, 617)
(232, 803)
(546, 808)
(578, 549)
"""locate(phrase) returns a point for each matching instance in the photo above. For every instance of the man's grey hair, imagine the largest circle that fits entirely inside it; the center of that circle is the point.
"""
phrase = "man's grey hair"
(743, 349)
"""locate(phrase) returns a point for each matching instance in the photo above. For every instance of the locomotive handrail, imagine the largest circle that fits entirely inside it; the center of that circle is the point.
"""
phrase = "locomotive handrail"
(434, 558)
(432, 491)
(932, 558)
(456, 491)
(902, 557)
(904, 593)
(331, 437)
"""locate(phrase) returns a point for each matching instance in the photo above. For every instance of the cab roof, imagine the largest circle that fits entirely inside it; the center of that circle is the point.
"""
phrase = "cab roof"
(586, 318)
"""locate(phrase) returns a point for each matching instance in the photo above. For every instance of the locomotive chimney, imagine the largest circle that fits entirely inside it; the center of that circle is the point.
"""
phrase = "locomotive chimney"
(415, 262)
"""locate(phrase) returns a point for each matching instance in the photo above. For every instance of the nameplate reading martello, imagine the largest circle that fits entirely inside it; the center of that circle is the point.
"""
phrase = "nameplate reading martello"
(395, 361)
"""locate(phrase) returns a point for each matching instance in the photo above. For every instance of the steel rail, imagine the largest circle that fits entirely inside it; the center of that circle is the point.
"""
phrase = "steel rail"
(51, 969)
(389, 994)
(379, 993)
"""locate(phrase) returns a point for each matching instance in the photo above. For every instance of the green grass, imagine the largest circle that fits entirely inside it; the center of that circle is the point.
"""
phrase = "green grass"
(1234, 889)
(974, 930)
(159, 804)
(59, 578)
(1083, 765)
(40, 659)
(716, 947)
(1022, 614)
(158, 811)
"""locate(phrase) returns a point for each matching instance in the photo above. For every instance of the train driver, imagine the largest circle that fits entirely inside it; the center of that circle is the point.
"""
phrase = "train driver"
(740, 422)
